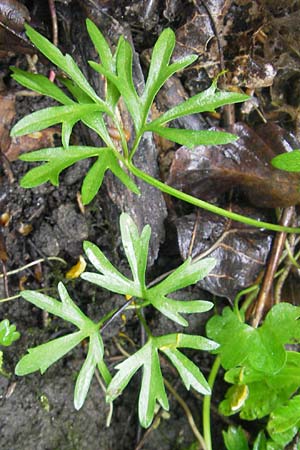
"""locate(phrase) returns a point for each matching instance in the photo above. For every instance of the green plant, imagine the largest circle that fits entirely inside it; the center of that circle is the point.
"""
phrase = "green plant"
(264, 374)
(256, 360)
(84, 104)
(8, 333)
(152, 387)
(289, 162)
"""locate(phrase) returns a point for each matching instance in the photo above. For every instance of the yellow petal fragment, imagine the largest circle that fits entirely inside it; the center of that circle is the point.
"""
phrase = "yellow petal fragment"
(77, 269)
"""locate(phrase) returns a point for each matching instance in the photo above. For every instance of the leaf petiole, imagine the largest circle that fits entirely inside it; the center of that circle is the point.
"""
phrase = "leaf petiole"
(205, 205)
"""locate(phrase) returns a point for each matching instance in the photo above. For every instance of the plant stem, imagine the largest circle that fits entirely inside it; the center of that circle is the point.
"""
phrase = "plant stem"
(33, 263)
(207, 402)
(205, 205)
(189, 415)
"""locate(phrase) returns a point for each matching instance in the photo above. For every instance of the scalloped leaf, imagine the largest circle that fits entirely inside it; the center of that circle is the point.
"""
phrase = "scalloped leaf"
(261, 348)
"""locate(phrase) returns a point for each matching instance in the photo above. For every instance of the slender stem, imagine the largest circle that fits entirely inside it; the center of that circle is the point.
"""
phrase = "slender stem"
(207, 402)
(123, 138)
(189, 415)
(248, 290)
(33, 263)
(135, 146)
(144, 323)
(110, 317)
(205, 205)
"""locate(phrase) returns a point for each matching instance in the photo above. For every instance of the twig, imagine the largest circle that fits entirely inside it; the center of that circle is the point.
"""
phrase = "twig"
(276, 252)
(193, 237)
(54, 21)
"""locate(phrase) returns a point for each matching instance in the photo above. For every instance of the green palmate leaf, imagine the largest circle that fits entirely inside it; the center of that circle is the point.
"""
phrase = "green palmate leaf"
(188, 273)
(8, 333)
(174, 308)
(191, 138)
(40, 84)
(94, 357)
(111, 278)
(235, 439)
(43, 356)
(206, 101)
(122, 82)
(66, 309)
(188, 371)
(136, 247)
(94, 120)
(152, 388)
(287, 161)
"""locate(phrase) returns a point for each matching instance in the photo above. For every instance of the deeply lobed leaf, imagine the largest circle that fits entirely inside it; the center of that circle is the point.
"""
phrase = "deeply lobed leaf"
(58, 159)
(152, 386)
(43, 356)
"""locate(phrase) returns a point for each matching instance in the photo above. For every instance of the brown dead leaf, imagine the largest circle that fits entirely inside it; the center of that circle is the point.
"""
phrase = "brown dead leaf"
(240, 251)
(209, 171)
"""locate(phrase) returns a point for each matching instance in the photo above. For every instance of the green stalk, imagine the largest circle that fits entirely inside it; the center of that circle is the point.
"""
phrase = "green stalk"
(205, 205)
(207, 402)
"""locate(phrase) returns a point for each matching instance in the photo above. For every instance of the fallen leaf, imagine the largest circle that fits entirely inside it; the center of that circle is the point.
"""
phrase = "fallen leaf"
(209, 171)
(240, 251)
